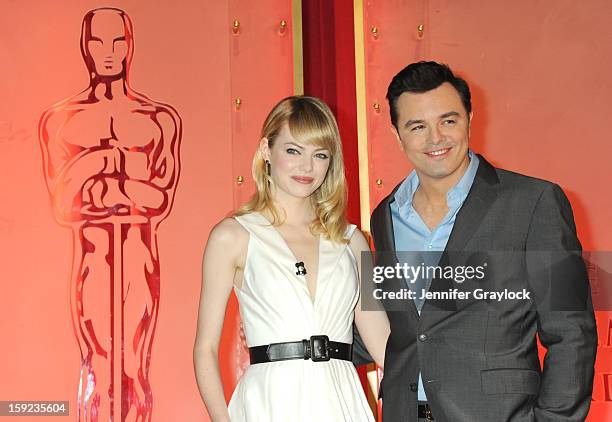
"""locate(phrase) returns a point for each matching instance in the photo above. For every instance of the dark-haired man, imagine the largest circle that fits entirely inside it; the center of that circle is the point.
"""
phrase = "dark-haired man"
(472, 360)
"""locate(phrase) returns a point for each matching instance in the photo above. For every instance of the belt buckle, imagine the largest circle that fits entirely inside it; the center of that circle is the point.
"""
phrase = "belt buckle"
(319, 348)
(428, 414)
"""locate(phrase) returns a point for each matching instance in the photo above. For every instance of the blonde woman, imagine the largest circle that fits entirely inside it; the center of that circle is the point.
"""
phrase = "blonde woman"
(293, 260)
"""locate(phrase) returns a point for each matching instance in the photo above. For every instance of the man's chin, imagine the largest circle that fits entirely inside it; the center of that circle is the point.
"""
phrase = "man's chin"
(436, 173)
(442, 170)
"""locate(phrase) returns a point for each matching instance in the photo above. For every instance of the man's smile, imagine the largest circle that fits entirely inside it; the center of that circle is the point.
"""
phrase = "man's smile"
(438, 153)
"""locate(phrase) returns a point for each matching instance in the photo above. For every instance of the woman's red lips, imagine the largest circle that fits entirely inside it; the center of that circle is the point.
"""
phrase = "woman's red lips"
(303, 179)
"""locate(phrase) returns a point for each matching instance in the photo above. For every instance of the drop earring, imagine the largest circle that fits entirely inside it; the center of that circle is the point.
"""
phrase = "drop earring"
(268, 166)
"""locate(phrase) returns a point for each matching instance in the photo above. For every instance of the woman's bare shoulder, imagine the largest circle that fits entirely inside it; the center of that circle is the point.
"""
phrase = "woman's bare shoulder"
(358, 244)
(358, 241)
(229, 233)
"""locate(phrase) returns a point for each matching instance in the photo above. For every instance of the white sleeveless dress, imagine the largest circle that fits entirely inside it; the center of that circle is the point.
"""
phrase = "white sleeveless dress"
(275, 306)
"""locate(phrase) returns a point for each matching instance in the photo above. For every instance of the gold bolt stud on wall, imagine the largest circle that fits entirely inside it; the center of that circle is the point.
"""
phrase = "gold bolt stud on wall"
(379, 182)
(376, 107)
(420, 30)
(374, 32)
(239, 180)
(282, 27)
(237, 103)
(236, 27)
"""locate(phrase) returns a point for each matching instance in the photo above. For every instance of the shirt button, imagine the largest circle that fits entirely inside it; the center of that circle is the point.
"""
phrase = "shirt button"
(413, 387)
(423, 337)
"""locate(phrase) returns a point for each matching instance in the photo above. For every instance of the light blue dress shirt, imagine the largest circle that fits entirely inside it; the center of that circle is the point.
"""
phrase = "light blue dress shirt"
(412, 234)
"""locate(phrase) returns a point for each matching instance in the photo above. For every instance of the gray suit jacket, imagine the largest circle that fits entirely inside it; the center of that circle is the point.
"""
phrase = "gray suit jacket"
(479, 358)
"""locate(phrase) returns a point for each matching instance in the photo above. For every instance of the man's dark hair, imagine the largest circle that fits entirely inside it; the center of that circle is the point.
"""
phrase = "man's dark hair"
(422, 77)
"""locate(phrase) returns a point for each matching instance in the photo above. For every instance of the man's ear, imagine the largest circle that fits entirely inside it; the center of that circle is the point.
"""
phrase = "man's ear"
(471, 118)
(264, 148)
(397, 136)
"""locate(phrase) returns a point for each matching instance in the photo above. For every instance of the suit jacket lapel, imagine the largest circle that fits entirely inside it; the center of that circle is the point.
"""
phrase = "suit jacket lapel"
(476, 205)
(478, 202)
(387, 224)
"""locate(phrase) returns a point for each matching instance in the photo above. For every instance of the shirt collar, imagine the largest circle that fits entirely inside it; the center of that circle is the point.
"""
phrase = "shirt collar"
(404, 194)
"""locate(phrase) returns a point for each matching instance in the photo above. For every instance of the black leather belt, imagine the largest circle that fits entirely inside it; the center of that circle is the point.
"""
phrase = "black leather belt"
(424, 412)
(317, 348)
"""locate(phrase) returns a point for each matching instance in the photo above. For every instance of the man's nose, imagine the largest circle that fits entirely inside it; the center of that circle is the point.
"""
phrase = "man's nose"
(436, 136)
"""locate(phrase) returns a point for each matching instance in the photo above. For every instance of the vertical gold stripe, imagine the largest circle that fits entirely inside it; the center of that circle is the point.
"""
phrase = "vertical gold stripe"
(362, 151)
(298, 57)
(362, 122)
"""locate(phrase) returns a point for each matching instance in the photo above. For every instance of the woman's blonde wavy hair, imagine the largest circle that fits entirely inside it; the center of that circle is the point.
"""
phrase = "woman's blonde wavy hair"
(310, 121)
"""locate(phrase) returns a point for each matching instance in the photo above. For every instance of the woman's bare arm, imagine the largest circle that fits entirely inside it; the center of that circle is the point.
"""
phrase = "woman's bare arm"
(373, 325)
(224, 254)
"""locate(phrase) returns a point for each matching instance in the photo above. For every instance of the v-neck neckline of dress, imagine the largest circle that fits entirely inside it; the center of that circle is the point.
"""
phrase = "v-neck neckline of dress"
(278, 234)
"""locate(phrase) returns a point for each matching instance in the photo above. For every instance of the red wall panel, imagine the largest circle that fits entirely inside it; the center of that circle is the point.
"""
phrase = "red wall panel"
(329, 73)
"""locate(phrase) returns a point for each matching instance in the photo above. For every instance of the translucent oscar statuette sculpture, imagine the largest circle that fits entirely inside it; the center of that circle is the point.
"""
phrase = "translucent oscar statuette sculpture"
(111, 165)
